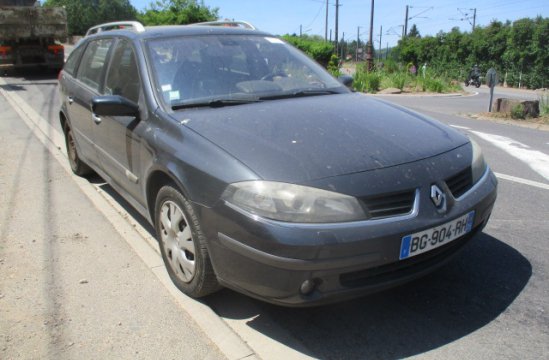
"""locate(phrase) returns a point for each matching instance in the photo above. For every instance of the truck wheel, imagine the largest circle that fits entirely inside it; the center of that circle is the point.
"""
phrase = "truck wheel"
(182, 244)
(78, 167)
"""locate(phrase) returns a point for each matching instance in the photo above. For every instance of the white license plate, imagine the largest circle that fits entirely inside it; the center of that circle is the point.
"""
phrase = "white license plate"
(432, 238)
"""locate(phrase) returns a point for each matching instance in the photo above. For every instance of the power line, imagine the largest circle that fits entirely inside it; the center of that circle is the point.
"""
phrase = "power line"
(467, 16)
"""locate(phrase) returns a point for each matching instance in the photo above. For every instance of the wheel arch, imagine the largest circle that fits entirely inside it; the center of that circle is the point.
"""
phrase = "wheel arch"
(155, 181)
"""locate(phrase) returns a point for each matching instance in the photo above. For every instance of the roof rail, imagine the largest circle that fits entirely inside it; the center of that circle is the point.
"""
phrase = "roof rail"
(117, 25)
(228, 23)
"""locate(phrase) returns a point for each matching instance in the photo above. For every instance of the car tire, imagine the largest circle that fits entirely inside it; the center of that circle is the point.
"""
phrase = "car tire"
(183, 245)
(78, 166)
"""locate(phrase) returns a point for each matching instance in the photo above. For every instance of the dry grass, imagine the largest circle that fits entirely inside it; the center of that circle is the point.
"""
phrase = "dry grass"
(542, 119)
(541, 123)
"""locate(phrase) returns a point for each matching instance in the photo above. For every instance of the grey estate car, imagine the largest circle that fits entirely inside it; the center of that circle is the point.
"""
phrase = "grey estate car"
(261, 172)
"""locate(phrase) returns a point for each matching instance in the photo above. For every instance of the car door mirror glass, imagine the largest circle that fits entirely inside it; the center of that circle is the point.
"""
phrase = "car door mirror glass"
(346, 80)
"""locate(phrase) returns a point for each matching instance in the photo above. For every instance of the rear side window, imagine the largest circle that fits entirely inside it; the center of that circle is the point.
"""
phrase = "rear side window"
(72, 61)
(93, 62)
(123, 78)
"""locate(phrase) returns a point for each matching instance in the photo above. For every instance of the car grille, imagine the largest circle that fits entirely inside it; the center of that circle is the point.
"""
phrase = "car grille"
(460, 183)
(406, 268)
(392, 204)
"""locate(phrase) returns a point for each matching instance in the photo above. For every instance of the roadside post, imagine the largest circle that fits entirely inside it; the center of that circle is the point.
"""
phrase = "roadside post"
(491, 81)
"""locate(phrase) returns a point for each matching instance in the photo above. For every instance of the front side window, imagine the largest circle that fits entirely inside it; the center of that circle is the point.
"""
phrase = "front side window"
(123, 78)
(93, 62)
(194, 69)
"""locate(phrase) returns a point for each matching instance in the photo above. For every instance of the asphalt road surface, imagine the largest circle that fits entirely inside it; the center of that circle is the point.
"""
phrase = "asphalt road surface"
(489, 302)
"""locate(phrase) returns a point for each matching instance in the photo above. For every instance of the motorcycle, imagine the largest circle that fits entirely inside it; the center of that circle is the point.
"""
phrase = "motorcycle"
(473, 81)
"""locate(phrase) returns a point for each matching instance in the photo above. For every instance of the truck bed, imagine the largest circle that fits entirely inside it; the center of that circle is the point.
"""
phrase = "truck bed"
(32, 22)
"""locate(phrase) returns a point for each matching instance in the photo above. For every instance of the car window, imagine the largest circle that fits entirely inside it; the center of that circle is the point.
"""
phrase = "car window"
(122, 78)
(199, 67)
(93, 61)
(72, 61)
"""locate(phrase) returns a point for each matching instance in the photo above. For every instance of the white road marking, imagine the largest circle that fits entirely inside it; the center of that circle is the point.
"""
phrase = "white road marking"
(538, 161)
(522, 181)
(460, 127)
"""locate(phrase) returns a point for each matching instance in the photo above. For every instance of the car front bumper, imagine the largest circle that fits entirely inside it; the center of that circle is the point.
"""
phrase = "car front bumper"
(311, 264)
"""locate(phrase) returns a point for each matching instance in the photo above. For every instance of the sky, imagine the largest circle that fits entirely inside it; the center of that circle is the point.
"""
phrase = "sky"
(430, 16)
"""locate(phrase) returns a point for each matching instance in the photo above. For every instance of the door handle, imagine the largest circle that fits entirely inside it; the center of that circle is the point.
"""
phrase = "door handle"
(96, 119)
(70, 99)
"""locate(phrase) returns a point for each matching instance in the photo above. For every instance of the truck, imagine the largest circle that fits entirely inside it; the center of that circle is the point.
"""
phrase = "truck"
(31, 35)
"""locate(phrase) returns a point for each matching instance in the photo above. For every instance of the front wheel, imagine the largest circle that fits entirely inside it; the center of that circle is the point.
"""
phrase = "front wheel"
(182, 244)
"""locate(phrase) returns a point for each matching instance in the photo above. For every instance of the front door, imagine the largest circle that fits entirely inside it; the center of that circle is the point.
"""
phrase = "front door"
(117, 137)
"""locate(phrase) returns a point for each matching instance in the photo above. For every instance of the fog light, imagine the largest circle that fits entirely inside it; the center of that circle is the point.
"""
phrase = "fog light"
(307, 287)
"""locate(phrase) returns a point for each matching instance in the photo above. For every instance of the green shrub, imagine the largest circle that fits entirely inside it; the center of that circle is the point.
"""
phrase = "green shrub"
(367, 81)
(398, 80)
(333, 65)
(382, 79)
(390, 66)
(434, 85)
(320, 50)
(517, 111)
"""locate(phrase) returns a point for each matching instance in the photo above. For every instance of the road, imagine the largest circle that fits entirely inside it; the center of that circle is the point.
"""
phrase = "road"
(490, 302)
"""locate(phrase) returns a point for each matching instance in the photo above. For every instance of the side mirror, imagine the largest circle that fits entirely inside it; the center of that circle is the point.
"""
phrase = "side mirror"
(114, 105)
(346, 80)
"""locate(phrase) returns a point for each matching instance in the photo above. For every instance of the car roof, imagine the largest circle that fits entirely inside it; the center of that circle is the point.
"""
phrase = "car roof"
(208, 28)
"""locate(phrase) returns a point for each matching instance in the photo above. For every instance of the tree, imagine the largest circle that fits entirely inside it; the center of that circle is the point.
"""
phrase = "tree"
(177, 12)
(518, 51)
(83, 14)
(414, 32)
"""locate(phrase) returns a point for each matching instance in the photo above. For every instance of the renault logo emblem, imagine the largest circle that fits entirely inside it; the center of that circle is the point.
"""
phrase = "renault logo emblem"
(437, 196)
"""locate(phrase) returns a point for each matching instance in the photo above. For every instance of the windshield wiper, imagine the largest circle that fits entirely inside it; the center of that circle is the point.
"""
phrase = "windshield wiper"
(300, 93)
(215, 103)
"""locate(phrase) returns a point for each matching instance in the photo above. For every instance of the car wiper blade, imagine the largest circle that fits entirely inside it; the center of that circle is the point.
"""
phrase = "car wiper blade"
(300, 93)
(214, 103)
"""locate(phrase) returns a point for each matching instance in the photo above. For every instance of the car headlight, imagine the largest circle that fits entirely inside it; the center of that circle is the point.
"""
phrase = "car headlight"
(478, 165)
(293, 203)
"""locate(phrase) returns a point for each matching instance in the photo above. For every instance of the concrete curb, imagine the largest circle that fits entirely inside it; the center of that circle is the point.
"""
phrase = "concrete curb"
(228, 342)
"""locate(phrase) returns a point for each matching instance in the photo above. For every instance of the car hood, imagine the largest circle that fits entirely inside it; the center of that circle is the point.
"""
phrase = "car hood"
(302, 139)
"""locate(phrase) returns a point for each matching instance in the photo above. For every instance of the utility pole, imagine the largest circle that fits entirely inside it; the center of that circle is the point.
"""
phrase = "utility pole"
(342, 45)
(474, 18)
(357, 41)
(326, 25)
(380, 33)
(405, 30)
(300, 30)
(369, 53)
(336, 27)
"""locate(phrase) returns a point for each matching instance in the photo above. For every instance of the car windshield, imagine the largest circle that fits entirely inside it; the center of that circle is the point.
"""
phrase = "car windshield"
(219, 70)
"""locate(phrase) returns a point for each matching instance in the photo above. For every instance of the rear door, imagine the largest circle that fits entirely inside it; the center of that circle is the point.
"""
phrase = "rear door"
(87, 85)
